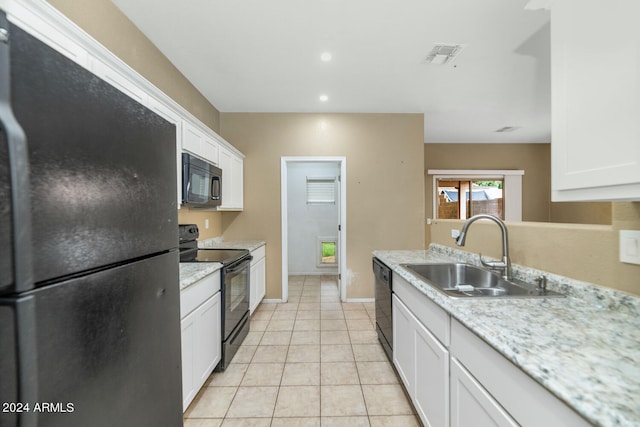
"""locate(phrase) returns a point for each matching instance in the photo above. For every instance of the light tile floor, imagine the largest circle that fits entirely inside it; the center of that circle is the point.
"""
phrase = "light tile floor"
(310, 362)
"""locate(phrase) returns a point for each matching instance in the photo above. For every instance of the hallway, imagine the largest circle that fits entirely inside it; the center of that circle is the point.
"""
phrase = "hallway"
(312, 361)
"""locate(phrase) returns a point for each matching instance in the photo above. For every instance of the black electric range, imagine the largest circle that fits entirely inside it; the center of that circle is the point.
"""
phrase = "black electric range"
(234, 287)
(189, 251)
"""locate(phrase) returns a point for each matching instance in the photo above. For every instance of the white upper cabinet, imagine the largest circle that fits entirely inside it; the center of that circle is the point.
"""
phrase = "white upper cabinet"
(595, 74)
(46, 23)
(172, 117)
(232, 166)
(197, 142)
(48, 33)
(119, 81)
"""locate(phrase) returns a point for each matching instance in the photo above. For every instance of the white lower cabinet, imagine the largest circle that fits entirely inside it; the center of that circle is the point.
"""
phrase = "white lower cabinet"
(471, 404)
(258, 277)
(456, 379)
(423, 364)
(404, 356)
(524, 399)
(195, 141)
(431, 397)
(200, 308)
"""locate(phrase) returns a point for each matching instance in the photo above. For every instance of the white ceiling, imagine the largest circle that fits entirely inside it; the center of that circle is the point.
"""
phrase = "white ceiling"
(264, 56)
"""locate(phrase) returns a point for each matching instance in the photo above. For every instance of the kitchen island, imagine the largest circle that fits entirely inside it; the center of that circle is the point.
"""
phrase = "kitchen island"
(582, 348)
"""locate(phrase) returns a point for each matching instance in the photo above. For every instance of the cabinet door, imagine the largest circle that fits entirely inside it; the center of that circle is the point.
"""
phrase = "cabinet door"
(226, 165)
(210, 150)
(403, 344)
(261, 285)
(119, 81)
(471, 404)
(258, 285)
(172, 117)
(188, 360)
(191, 138)
(595, 100)
(232, 180)
(431, 396)
(238, 182)
(49, 34)
(197, 142)
(208, 339)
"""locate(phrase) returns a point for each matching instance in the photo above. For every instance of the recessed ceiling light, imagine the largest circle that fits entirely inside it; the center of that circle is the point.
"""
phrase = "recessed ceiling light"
(324, 98)
(325, 57)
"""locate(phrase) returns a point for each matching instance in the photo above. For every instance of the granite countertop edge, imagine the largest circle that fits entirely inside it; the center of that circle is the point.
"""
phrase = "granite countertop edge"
(192, 272)
(580, 348)
(219, 243)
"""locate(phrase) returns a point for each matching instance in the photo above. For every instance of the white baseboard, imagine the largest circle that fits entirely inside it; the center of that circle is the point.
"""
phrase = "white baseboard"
(272, 301)
(316, 273)
(360, 300)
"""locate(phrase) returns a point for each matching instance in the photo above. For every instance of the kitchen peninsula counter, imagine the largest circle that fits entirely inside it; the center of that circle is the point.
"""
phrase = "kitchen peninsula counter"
(582, 348)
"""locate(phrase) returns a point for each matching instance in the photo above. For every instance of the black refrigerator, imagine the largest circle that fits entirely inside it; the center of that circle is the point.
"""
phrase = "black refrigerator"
(89, 293)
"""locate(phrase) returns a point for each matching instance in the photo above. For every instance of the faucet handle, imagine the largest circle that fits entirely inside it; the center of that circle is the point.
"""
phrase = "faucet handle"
(492, 264)
(542, 283)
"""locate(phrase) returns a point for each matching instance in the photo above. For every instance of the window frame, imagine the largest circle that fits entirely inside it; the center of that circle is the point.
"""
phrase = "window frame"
(512, 187)
(320, 241)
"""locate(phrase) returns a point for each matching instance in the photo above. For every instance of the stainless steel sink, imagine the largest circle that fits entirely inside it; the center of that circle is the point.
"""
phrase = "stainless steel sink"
(468, 281)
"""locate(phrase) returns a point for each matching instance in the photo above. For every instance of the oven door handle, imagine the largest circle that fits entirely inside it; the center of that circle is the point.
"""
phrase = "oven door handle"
(238, 266)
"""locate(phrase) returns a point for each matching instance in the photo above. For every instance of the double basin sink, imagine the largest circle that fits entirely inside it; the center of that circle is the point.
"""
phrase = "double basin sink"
(459, 280)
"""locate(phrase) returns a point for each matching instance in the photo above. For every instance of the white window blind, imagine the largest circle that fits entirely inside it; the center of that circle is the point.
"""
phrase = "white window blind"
(321, 190)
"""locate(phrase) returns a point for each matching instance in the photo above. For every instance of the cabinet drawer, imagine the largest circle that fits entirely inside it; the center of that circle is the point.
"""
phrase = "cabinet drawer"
(522, 397)
(258, 254)
(432, 316)
(471, 404)
(198, 293)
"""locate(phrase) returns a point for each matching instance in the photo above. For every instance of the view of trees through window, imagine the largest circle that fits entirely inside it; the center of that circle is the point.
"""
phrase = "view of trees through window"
(463, 198)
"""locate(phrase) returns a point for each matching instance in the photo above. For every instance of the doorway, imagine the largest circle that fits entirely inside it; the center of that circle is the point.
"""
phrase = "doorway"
(313, 212)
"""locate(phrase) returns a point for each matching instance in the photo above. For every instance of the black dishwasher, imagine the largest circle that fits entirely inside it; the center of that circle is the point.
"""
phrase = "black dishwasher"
(384, 319)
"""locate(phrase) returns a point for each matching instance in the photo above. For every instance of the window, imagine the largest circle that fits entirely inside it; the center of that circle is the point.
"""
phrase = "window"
(327, 252)
(461, 199)
(462, 194)
(321, 190)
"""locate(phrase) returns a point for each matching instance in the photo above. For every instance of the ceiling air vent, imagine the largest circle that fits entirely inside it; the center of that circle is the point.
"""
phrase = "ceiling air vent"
(444, 53)
(508, 129)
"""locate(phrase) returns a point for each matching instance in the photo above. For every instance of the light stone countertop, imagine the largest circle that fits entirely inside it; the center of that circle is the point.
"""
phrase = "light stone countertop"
(191, 272)
(219, 243)
(583, 348)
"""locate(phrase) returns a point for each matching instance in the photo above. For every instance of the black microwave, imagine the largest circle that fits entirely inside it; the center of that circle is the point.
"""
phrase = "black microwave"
(201, 183)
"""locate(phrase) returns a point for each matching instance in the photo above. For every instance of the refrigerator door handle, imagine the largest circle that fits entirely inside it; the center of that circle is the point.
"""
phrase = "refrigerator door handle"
(27, 357)
(19, 169)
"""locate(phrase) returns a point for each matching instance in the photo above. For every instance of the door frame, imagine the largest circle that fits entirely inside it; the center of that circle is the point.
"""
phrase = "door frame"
(342, 233)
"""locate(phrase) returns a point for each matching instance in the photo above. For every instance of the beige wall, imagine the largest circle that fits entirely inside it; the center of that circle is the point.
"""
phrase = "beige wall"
(584, 252)
(198, 217)
(534, 159)
(109, 26)
(385, 185)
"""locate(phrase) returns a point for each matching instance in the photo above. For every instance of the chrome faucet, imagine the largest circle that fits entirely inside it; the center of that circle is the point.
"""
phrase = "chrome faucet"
(505, 265)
